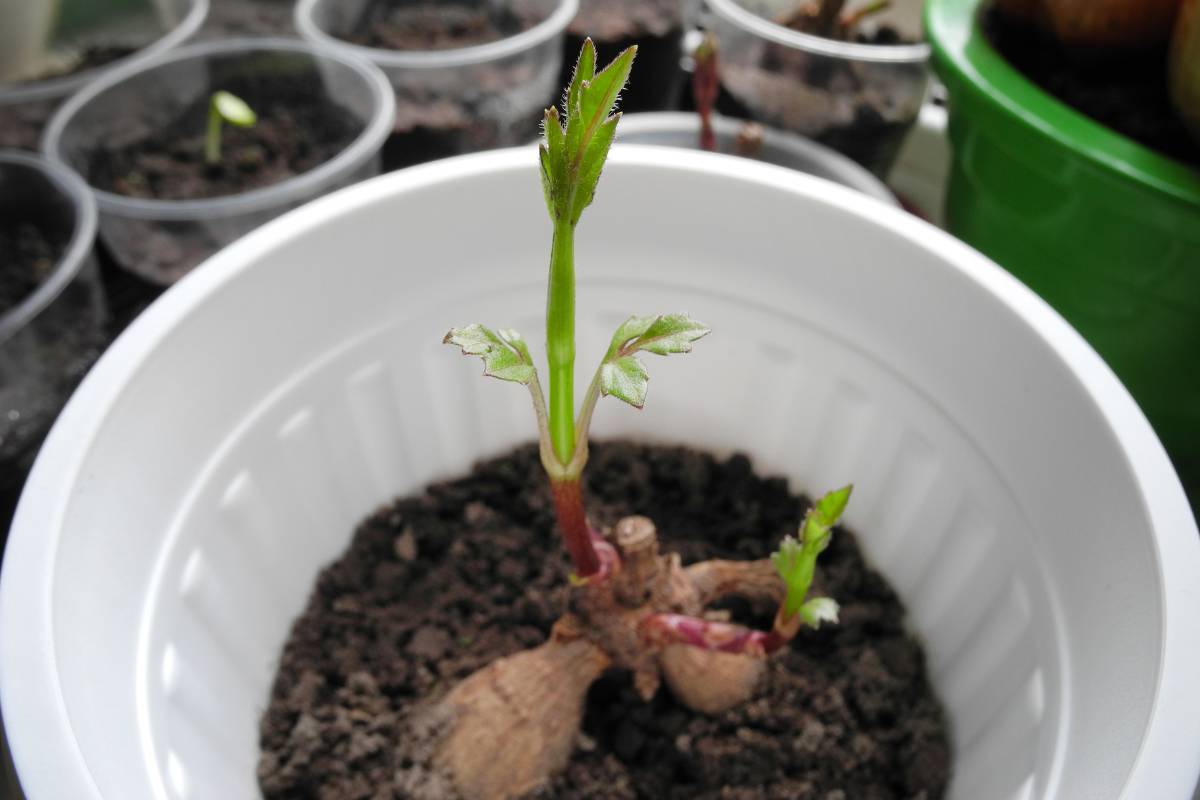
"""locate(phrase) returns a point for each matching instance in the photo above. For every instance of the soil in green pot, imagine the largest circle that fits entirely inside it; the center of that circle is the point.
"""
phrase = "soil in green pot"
(437, 585)
(1126, 92)
(433, 124)
(655, 26)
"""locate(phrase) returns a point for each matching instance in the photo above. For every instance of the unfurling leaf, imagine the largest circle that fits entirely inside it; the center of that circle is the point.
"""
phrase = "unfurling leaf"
(574, 150)
(796, 559)
(505, 354)
(661, 335)
(621, 374)
(233, 109)
(625, 378)
(818, 610)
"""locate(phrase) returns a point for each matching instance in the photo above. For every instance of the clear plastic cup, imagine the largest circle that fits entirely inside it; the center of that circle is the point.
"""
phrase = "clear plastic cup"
(859, 99)
(458, 100)
(148, 29)
(655, 26)
(161, 240)
(49, 339)
(682, 129)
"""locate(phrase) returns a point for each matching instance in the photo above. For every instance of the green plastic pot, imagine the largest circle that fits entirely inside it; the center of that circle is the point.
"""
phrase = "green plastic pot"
(1104, 229)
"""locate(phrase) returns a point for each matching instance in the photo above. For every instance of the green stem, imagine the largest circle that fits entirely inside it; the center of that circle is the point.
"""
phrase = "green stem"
(212, 136)
(560, 340)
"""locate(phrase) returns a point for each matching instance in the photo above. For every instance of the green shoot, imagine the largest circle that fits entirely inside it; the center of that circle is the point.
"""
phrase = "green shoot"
(621, 374)
(572, 156)
(796, 560)
(224, 107)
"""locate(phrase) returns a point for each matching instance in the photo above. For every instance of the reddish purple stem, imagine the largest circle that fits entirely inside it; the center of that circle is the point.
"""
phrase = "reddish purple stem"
(705, 85)
(593, 557)
(722, 637)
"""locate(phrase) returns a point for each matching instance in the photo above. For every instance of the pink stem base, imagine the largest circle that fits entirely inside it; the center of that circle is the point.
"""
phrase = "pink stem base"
(593, 557)
(722, 637)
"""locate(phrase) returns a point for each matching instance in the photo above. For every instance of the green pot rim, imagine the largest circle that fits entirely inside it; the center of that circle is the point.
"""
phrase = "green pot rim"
(962, 54)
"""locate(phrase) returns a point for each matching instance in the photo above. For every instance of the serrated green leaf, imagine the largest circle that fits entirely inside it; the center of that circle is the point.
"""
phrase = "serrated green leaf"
(796, 559)
(628, 330)
(830, 507)
(578, 142)
(672, 333)
(593, 162)
(662, 335)
(585, 70)
(600, 94)
(555, 138)
(234, 109)
(819, 522)
(548, 179)
(625, 378)
(818, 610)
(505, 355)
(623, 375)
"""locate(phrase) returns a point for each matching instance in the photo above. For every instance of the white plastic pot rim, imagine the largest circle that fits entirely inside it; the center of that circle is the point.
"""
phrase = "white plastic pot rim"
(29, 687)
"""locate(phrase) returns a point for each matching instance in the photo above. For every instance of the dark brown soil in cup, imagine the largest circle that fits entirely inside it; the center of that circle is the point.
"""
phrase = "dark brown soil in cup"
(29, 258)
(655, 26)
(228, 18)
(828, 101)
(437, 585)
(1126, 92)
(432, 124)
(293, 135)
(405, 25)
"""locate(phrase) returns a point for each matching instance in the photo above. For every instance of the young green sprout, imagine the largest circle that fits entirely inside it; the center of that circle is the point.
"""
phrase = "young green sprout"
(796, 561)
(630, 607)
(224, 107)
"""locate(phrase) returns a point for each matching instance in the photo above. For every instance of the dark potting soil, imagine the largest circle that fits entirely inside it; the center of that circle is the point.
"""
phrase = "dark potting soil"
(655, 26)
(292, 136)
(438, 585)
(1127, 93)
(432, 124)
(248, 18)
(29, 256)
(859, 115)
(405, 25)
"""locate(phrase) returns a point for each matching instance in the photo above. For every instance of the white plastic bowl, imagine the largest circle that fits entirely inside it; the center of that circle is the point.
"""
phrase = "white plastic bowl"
(224, 448)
